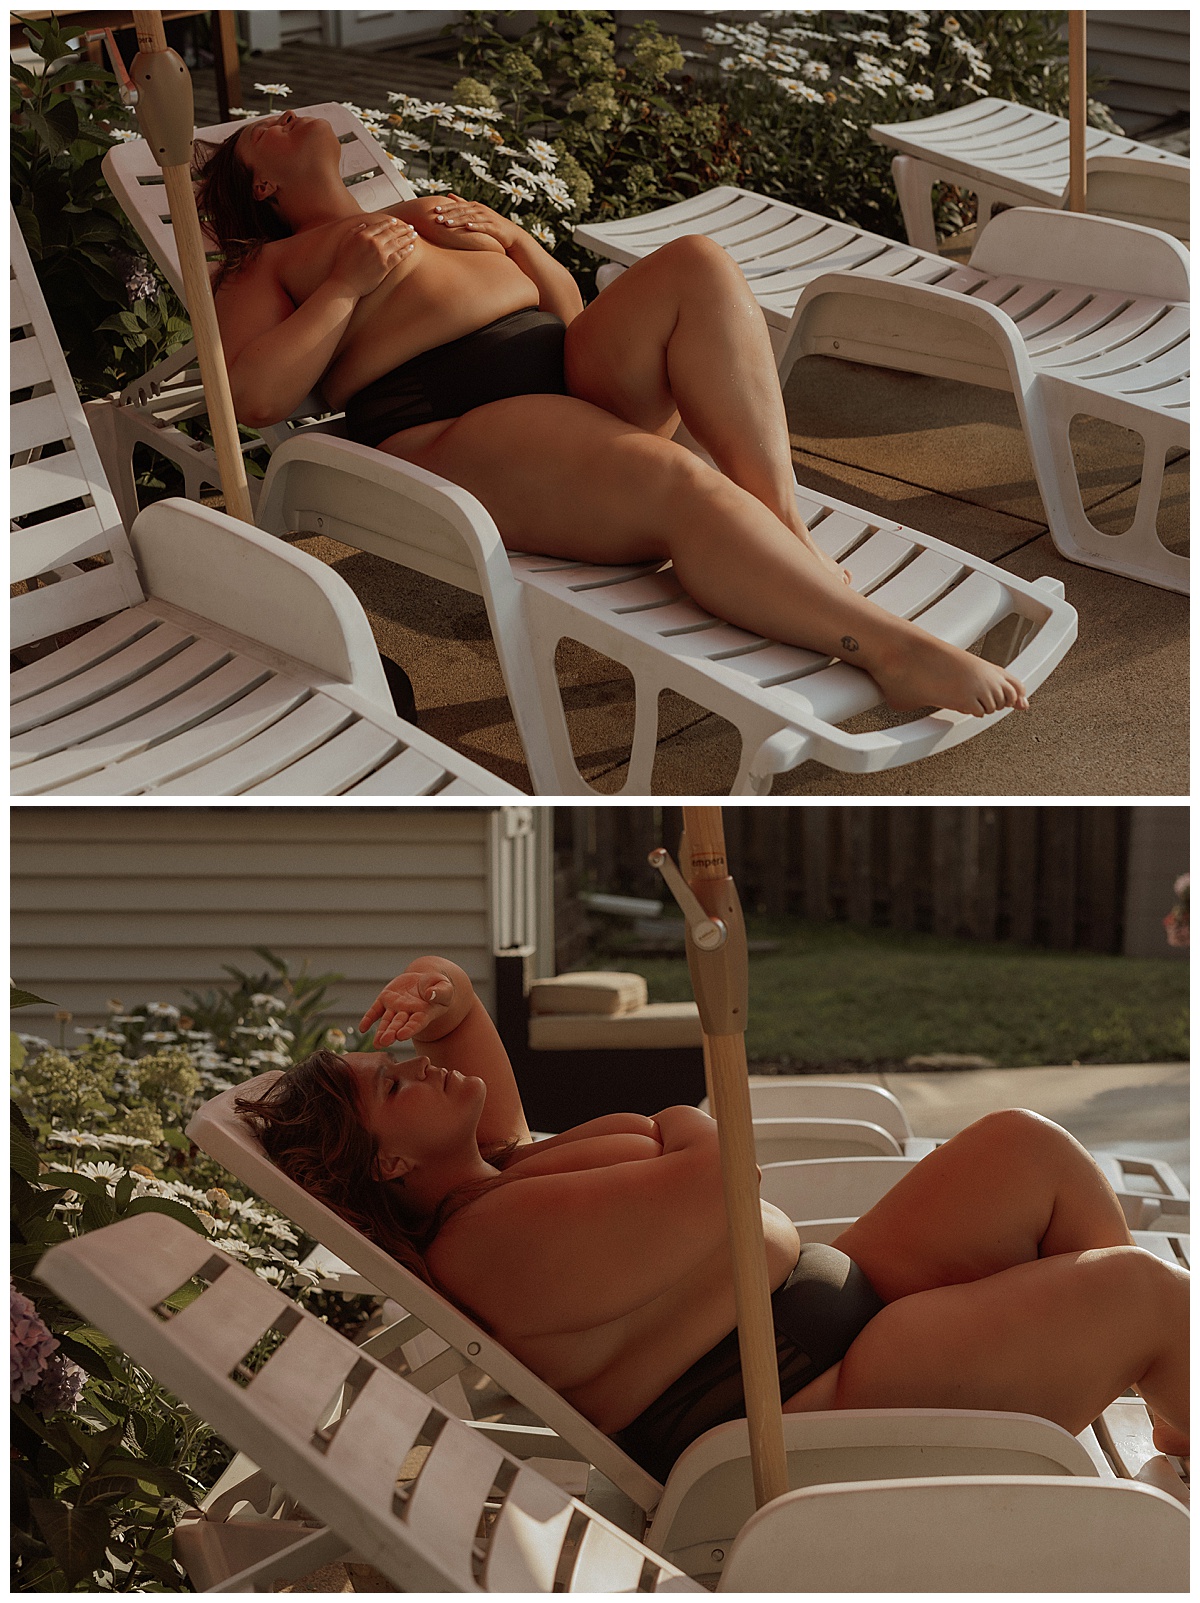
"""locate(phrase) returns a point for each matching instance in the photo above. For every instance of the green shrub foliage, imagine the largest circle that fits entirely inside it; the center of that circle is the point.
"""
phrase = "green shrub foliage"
(103, 1459)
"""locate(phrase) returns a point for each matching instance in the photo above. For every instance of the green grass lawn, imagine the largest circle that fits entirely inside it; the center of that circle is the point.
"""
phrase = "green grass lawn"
(836, 996)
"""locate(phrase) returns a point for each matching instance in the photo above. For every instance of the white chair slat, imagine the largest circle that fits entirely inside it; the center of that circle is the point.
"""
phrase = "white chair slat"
(777, 665)
(228, 1318)
(142, 654)
(826, 1188)
(37, 485)
(375, 1437)
(160, 683)
(36, 422)
(876, 560)
(296, 734)
(448, 1501)
(26, 359)
(1162, 374)
(337, 764)
(526, 1543)
(199, 703)
(299, 1383)
(608, 1561)
(797, 1097)
(78, 656)
(206, 732)
(45, 547)
(459, 786)
(410, 773)
(1145, 328)
(81, 599)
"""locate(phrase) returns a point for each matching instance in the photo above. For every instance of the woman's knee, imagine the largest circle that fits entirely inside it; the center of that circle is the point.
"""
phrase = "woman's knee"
(696, 258)
(1020, 1136)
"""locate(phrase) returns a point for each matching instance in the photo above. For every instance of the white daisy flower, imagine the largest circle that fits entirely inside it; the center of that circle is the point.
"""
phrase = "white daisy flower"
(273, 89)
(543, 234)
(918, 91)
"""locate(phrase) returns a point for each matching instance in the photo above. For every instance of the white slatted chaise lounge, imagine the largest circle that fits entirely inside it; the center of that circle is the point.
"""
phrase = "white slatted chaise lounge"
(335, 1429)
(1073, 314)
(1011, 155)
(787, 704)
(703, 1491)
(797, 1118)
(227, 663)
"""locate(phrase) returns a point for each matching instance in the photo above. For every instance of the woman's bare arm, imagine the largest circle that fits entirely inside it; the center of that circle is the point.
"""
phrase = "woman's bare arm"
(276, 352)
(561, 1252)
(451, 221)
(433, 1005)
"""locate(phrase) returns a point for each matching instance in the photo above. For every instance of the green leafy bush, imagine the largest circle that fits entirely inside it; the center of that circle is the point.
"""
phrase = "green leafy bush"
(86, 254)
(103, 1459)
(559, 126)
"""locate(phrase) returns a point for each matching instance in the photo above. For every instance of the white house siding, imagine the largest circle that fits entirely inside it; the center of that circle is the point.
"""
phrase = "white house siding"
(142, 903)
(1145, 56)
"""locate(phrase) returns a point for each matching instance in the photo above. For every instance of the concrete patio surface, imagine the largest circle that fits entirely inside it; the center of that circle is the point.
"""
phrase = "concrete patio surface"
(946, 458)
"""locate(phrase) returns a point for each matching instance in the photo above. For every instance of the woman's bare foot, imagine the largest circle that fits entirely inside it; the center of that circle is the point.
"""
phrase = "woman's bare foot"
(921, 671)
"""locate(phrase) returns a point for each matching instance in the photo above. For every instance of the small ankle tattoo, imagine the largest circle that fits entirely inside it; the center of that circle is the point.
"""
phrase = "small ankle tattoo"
(849, 643)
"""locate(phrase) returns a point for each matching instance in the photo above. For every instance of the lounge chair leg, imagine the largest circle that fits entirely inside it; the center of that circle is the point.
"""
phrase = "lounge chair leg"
(1137, 553)
(914, 186)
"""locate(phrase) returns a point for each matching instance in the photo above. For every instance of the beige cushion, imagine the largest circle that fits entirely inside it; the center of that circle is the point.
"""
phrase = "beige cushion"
(657, 1024)
(588, 993)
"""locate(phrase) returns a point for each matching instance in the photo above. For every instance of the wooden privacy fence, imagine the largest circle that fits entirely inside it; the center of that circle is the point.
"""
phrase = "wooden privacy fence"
(1051, 876)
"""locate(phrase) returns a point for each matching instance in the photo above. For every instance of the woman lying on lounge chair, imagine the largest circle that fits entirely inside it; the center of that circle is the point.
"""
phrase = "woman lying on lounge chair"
(453, 340)
(998, 1274)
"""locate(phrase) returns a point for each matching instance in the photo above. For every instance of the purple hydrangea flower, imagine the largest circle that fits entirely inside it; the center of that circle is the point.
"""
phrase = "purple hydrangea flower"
(59, 1389)
(30, 1347)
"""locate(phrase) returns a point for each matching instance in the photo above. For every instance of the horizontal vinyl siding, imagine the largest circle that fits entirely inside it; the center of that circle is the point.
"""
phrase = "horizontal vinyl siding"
(145, 903)
(1145, 56)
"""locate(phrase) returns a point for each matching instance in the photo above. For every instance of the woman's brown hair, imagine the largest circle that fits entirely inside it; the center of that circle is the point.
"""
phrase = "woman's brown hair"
(310, 1127)
(225, 200)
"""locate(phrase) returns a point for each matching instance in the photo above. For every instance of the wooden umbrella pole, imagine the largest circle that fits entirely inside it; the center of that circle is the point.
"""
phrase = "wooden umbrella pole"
(720, 981)
(1077, 109)
(164, 113)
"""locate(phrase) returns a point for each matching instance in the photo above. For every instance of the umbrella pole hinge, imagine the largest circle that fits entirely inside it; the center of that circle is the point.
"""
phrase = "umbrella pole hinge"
(709, 934)
(716, 962)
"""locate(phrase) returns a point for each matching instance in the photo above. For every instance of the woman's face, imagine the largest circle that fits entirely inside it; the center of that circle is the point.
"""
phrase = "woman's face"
(272, 148)
(415, 1110)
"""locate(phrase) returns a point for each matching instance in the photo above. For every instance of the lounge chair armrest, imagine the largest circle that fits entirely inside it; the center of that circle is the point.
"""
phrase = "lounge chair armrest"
(1077, 248)
(235, 575)
(916, 327)
(324, 485)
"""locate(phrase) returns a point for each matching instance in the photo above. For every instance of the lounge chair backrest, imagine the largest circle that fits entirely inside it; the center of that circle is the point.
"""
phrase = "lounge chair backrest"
(218, 1129)
(136, 179)
(426, 1534)
(62, 509)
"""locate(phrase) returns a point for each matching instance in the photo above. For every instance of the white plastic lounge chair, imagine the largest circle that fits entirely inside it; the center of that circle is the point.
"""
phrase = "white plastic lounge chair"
(916, 1441)
(800, 1118)
(822, 1196)
(1073, 314)
(1011, 155)
(787, 704)
(228, 664)
(336, 1429)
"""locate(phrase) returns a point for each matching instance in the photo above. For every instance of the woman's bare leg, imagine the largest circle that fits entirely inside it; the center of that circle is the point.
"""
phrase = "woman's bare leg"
(566, 478)
(1060, 1337)
(680, 334)
(1011, 1283)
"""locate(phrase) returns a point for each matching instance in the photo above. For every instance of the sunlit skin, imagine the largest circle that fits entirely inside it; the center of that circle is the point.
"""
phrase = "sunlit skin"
(601, 1258)
(595, 474)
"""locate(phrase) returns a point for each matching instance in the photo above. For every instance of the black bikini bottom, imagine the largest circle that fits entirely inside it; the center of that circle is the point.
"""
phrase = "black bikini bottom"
(818, 1311)
(521, 354)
